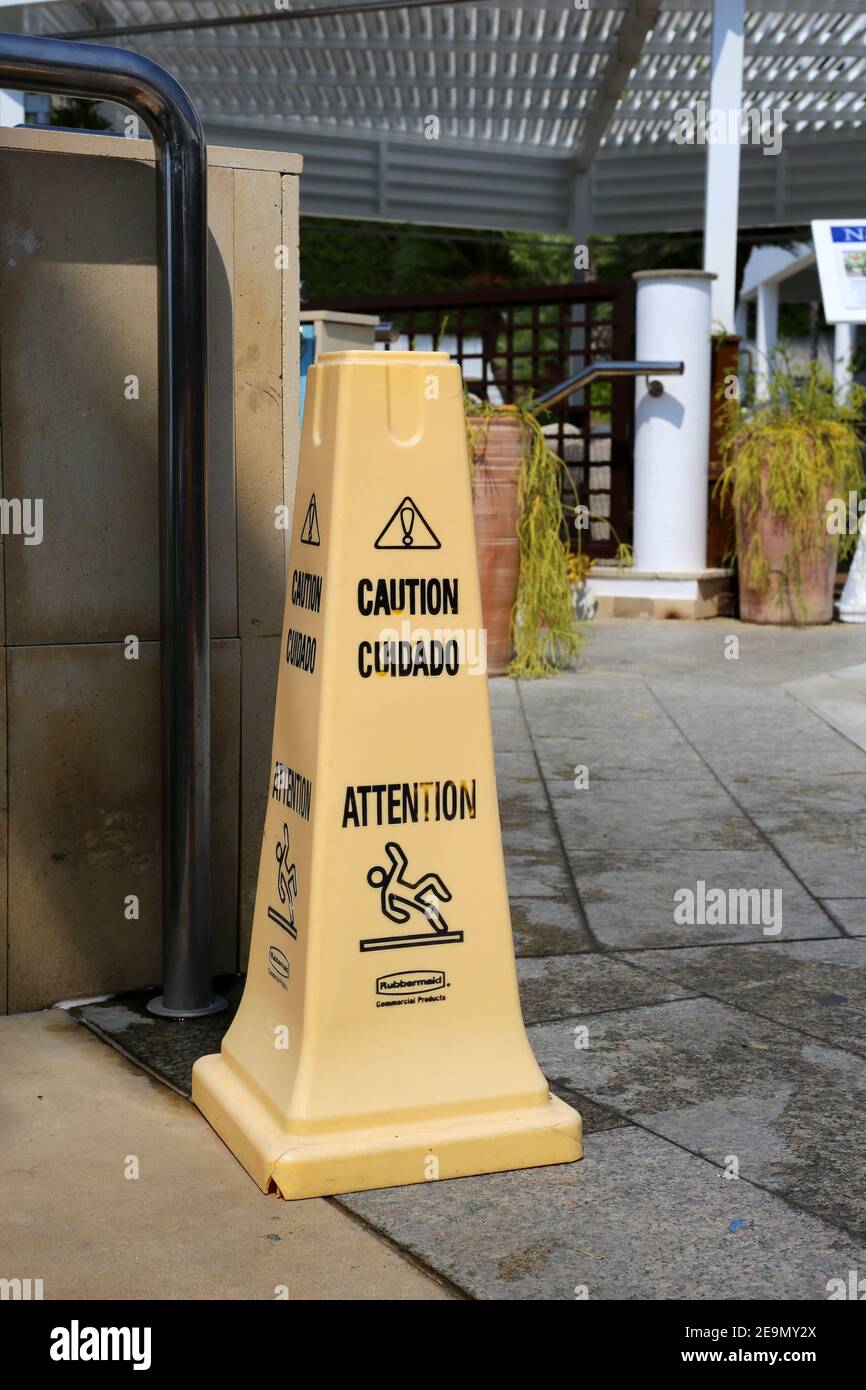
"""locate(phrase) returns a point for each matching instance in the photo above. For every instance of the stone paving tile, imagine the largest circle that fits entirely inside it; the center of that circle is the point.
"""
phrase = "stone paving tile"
(724, 686)
(525, 818)
(521, 793)
(818, 987)
(604, 698)
(538, 873)
(839, 698)
(515, 765)
(522, 804)
(636, 1218)
(722, 689)
(629, 899)
(524, 838)
(568, 986)
(503, 692)
(511, 743)
(851, 912)
(756, 733)
(595, 1117)
(637, 750)
(825, 868)
(194, 1227)
(767, 655)
(505, 705)
(609, 722)
(547, 927)
(752, 753)
(651, 815)
(165, 1047)
(720, 1081)
(794, 801)
(816, 822)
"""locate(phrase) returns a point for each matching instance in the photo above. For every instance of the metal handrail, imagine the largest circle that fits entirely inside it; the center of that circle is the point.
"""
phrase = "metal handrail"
(597, 370)
(113, 74)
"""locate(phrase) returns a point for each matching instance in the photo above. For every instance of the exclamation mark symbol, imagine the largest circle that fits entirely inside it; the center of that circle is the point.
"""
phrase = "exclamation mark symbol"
(310, 529)
(407, 521)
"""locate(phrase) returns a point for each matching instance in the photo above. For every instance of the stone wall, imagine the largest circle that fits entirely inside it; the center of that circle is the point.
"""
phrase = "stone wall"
(79, 720)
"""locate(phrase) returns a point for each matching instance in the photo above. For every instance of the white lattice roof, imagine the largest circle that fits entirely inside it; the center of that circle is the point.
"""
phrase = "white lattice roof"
(548, 80)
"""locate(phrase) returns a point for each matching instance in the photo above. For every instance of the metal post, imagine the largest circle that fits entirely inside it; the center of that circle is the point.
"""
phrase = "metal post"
(113, 74)
(844, 347)
(766, 334)
(722, 190)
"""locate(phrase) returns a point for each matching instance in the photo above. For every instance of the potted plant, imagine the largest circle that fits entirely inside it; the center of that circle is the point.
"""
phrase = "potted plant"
(724, 371)
(532, 627)
(785, 459)
(581, 564)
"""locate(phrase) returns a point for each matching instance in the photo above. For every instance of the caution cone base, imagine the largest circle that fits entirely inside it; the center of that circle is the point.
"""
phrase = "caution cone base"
(379, 1040)
(326, 1164)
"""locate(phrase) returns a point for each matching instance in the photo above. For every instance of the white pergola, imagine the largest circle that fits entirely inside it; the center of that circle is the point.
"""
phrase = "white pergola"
(550, 115)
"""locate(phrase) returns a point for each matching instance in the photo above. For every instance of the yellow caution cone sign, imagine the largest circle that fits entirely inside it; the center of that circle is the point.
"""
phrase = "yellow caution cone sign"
(379, 1040)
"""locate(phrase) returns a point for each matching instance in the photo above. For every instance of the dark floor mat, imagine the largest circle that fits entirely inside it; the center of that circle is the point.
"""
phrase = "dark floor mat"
(166, 1047)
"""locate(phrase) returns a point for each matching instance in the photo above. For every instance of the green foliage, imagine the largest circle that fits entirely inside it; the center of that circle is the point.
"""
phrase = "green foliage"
(790, 452)
(343, 257)
(546, 633)
(539, 260)
(795, 320)
(339, 257)
(78, 113)
(618, 257)
(427, 264)
(353, 258)
(580, 564)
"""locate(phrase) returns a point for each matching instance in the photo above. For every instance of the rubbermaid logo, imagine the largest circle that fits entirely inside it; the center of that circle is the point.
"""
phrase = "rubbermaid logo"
(410, 982)
(279, 962)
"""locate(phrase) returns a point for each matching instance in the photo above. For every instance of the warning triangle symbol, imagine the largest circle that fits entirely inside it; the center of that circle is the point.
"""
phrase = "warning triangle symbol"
(406, 529)
(310, 529)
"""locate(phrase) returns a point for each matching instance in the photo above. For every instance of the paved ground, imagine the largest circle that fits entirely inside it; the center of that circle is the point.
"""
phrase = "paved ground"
(711, 1047)
(114, 1187)
(714, 1046)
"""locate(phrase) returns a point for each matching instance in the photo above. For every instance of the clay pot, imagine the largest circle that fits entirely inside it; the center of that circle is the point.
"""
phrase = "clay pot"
(808, 598)
(498, 458)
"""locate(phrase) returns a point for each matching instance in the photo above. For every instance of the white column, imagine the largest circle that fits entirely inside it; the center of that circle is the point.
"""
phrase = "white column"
(766, 334)
(37, 105)
(11, 103)
(741, 319)
(844, 341)
(11, 108)
(722, 195)
(671, 447)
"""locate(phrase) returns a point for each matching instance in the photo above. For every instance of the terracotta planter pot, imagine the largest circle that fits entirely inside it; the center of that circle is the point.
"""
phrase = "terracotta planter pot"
(498, 457)
(809, 598)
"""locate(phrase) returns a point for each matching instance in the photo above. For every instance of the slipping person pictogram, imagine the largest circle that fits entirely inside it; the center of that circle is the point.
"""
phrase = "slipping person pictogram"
(287, 887)
(422, 896)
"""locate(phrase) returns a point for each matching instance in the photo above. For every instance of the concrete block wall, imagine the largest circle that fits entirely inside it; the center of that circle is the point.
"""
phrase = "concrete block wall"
(79, 721)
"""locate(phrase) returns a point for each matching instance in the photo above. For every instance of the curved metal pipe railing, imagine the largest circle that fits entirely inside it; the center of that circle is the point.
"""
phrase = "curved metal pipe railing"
(112, 74)
(596, 371)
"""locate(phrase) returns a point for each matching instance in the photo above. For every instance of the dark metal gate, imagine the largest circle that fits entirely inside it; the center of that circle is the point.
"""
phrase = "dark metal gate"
(514, 344)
